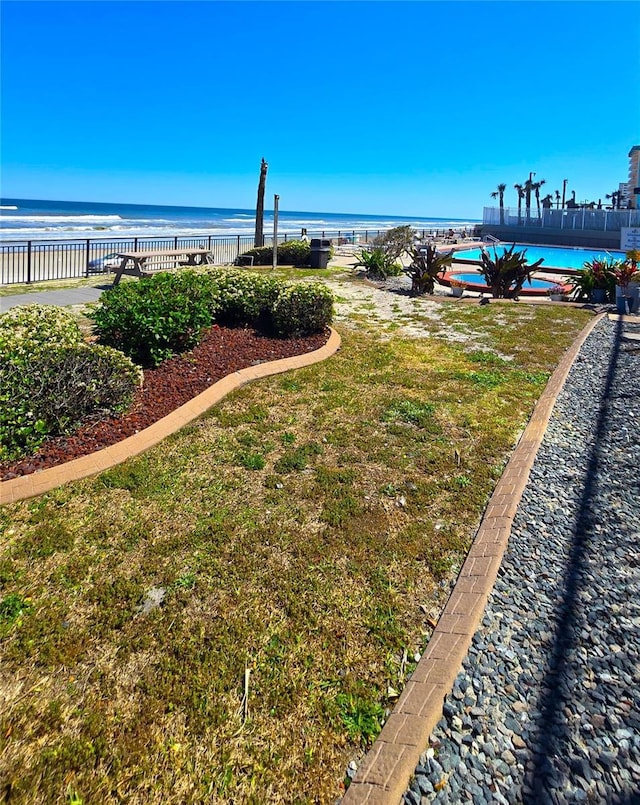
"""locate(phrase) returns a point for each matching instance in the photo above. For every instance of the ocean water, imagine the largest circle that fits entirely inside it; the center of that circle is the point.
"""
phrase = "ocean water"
(29, 219)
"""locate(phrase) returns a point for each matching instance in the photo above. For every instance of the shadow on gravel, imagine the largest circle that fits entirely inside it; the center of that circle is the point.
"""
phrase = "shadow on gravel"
(550, 741)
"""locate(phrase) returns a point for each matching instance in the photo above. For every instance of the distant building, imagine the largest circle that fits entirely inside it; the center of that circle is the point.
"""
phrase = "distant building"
(630, 195)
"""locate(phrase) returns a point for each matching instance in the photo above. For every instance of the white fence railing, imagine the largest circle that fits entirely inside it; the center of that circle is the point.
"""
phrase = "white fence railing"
(580, 218)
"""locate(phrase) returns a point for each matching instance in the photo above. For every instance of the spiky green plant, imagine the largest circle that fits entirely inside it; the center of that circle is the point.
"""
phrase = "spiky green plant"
(506, 273)
(425, 266)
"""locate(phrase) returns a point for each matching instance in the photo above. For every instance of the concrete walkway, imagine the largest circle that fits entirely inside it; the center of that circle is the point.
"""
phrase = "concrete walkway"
(67, 296)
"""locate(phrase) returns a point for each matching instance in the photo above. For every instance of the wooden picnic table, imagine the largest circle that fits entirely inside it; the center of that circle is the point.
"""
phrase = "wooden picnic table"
(135, 263)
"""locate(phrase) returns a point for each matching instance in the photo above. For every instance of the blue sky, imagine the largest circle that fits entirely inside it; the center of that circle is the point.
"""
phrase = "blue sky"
(403, 108)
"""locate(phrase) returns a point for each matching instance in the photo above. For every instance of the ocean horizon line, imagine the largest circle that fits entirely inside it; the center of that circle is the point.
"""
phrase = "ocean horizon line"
(11, 202)
(31, 219)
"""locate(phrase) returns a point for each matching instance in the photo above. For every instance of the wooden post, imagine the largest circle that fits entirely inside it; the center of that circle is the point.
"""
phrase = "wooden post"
(258, 239)
(276, 199)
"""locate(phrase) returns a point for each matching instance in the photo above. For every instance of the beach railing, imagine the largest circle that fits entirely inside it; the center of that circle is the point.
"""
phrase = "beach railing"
(24, 262)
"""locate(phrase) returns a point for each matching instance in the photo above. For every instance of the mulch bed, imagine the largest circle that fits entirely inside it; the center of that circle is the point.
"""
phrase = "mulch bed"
(221, 352)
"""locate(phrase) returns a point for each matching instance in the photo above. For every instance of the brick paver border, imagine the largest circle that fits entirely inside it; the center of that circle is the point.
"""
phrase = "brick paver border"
(39, 482)
(385, 772)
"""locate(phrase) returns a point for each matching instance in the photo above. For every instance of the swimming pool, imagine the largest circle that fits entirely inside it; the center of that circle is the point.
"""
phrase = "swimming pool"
(557, 257)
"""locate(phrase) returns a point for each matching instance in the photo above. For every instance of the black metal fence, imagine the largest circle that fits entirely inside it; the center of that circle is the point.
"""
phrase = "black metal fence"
(28, 261)
(23, 262)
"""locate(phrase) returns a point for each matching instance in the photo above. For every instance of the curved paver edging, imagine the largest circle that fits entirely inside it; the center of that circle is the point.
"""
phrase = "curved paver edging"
(39, 482)
(385, 772)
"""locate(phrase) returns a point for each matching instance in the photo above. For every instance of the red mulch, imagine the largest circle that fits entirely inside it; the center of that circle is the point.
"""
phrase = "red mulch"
(167, 387)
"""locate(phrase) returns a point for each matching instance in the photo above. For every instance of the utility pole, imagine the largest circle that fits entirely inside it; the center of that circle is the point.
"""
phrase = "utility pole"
(276, 199)
(564, 190)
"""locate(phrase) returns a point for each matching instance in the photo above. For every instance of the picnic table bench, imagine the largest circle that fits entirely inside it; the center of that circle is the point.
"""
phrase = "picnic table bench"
(138, 264)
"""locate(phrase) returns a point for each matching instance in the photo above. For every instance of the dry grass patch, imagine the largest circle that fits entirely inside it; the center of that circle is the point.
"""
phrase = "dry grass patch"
(298, 539)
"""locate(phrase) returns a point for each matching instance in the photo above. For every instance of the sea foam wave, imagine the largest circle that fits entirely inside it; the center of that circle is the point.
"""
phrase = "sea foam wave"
(61, 219)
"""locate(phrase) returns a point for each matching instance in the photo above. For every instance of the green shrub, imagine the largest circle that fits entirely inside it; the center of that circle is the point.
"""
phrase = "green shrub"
(244, 297)
(290, 253)
(379, 264)
(52, 390)
(81, 381)
(384, 259)
(158, 316)
(302, 308)
(396, 242)
(27, 329)
(26, 333)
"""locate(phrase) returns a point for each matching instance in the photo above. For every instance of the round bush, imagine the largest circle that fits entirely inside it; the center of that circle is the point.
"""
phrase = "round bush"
(302, 309)
(158, 316)
(83, 380)
(290, 253)
(244, 297)
(56, 389)
(27, 329)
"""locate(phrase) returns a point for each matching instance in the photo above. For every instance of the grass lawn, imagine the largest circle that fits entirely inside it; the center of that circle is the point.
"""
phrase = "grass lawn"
(303, 537)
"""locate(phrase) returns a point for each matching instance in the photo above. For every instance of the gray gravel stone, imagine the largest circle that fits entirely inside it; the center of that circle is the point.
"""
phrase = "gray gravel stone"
(548, 692)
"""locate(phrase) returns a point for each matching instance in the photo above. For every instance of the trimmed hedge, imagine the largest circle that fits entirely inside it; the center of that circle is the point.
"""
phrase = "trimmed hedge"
(292, 253)
(28, 329)
(302, 308)
(50, 380)
(154, 318)
(244, 297)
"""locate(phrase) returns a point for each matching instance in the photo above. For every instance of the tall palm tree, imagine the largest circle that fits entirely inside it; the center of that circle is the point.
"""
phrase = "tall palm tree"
(258, 239)
(499, 193)
(615, 199)
(528, 190)
(536, 188)
(520, 190)
(558, 199)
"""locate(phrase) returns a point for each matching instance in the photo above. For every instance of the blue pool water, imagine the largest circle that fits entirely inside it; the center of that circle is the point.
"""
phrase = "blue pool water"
(554, 256)
(478, 279)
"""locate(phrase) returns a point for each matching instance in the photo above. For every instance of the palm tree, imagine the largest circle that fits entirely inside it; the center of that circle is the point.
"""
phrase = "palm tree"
(528, 190)
(499, 193)
(615, 199)
(258, 239)
(558, 199)
(536, 188)
(520, 190)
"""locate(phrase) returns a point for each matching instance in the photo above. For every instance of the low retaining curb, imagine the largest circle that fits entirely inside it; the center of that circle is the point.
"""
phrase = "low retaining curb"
(385, 772)
(39, 482)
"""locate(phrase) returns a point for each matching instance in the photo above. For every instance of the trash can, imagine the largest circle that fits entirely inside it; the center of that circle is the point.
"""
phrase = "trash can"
(320, 253)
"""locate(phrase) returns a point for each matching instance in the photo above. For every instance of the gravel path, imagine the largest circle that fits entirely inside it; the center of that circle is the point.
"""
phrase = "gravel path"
(546, 708)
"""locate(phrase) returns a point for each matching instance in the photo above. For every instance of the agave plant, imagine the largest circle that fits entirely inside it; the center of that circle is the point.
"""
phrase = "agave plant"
(505, 274)
(378, 263)
(426, 264)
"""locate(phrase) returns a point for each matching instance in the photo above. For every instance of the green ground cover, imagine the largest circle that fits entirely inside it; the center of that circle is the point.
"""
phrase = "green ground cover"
(302, 536)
